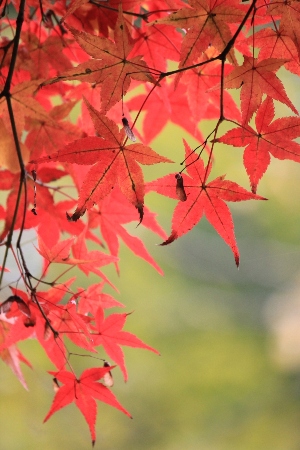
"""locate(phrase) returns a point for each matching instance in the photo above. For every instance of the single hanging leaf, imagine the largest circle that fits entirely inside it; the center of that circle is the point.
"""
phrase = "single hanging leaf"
(83, 391)
(270, 138)
(256, 78)
(109, 333)
(203, 199)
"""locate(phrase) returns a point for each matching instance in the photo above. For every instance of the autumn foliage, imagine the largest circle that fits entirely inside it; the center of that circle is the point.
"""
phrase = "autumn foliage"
(86, 86)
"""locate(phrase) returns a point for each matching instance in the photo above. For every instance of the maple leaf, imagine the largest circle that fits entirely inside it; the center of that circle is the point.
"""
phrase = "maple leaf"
(256, 78)
(66, 320)
(91, 260)
(110, 66)
(204, 102)
(270, 138)
(289, 12)
(24, 105)
(45, 54)
(207, 23)
(203, 199)
(157, 44)
(55, 220)
(92, 298)
(51, 134)
(8, 155)
(114, 163)
(90, 17)
(44, 198)
(108, 332)
(83, 391)
(11, 355)
(86, 261)
(276, 43)
(115, 54)
(114, 212)
(166, 104)
(29, 322)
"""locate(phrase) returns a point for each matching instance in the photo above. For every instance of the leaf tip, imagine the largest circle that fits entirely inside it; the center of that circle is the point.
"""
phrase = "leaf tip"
(140, 207)
(77, 214)
(173, 236)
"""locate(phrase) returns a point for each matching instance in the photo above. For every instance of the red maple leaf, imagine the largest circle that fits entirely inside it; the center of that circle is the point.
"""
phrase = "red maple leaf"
(108, 332)
(114, 163)
(91, 298)
(110, 64)
(116, 53)
(83, 14)
(203, 99)
(43, 197)
(114, 211)
(164, 104)
(207, 23)
(256, 78)
(157, 44)
(29, 321)
(44, 55)
(68, 322)
(289, 13)
(86, 261)
(202, 198)
(270, 138)
(51, 134)
(11, 355)
(83, 391)
(25, 105)
(276, 43)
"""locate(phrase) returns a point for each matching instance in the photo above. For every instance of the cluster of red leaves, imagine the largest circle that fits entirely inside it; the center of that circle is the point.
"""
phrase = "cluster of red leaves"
(109, 49)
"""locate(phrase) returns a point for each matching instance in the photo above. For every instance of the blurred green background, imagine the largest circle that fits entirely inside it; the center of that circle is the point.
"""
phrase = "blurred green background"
(228, 377)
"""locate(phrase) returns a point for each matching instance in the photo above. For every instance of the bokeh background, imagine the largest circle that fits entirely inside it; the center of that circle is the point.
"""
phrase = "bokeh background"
(228, 377)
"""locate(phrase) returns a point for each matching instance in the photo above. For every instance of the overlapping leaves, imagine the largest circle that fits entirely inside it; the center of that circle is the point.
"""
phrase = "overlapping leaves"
(114, 49)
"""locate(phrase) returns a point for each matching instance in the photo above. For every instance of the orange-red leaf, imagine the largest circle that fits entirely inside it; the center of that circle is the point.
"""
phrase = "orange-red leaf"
(109, 334)
(256, 78)
(203, 199)
(271, 137)
(83, 391)
(110, 66)
(114, 163)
